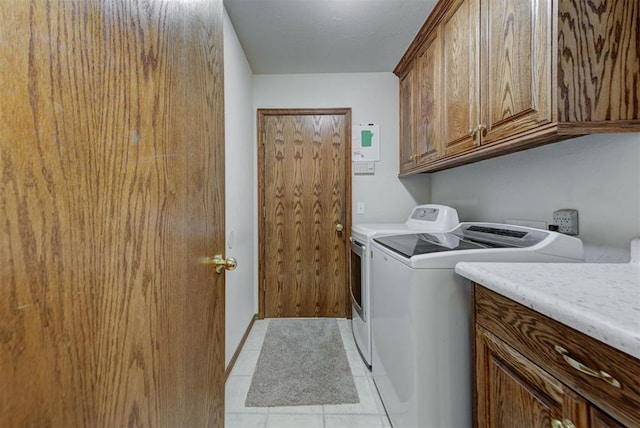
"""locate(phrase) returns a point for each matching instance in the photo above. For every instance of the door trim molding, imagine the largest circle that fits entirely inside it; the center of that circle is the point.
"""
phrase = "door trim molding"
(261, 114)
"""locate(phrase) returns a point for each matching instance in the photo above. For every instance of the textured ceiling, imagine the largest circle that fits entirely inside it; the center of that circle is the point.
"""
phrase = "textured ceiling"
(326, 36)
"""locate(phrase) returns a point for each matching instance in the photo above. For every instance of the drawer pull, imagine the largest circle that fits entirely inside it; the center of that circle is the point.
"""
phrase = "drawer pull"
(586, 370)
(565, 423)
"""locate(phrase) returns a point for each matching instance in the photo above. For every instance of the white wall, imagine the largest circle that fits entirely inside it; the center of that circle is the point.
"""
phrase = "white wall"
(599, 175)
(373, 98)
(239, 187)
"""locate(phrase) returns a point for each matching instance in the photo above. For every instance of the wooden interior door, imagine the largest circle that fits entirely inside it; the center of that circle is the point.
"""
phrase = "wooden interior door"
(111, 189)
(305, 194)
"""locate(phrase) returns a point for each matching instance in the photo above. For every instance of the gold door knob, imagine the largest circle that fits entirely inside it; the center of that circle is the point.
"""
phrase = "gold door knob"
(339, 227)
(219, 263)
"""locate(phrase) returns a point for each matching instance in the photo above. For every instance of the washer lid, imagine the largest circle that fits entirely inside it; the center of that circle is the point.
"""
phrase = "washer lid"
(425, 243)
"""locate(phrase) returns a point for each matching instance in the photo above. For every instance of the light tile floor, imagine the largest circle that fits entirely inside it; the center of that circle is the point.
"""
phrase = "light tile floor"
(369, 413)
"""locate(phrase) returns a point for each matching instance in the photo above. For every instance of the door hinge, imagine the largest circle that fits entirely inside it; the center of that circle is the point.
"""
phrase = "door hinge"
(264, 284)
(264, 211)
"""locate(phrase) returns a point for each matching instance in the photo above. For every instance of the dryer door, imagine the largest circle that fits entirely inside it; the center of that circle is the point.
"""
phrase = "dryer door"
(358, 275)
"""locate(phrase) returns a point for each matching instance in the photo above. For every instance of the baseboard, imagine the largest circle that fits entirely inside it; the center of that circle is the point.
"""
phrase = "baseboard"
(239, 348)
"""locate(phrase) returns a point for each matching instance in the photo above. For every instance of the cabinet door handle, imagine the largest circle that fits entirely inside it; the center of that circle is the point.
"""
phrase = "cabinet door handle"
(473, 131)
(565, 423)
(587, 370)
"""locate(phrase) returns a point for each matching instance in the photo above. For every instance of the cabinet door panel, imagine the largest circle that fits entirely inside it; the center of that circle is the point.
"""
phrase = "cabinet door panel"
(516, 67)
(599, 419)
(535, 336)
(428, 133)
(599, 66)
(460, 32)
(407, 89)
(510, 390)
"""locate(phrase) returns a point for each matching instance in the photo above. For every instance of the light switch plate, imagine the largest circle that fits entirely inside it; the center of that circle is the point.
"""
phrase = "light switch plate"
(360, 168)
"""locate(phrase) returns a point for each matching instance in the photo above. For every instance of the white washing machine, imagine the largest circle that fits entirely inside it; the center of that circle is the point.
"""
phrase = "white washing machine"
(423, 218)
(421, 323)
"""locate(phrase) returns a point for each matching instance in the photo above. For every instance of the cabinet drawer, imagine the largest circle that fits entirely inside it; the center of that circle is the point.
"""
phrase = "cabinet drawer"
(558, 349)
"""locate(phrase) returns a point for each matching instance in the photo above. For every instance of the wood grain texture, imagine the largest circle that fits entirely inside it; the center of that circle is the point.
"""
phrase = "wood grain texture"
(534, 336)
(575, 408)
(408, 95)
(599, 419)
(426, 31)
(429, 102)
(305, 192)
(510, 390)
(547, 71)
(460, 82)
(517, 52)
(599, 60)
(111, 158)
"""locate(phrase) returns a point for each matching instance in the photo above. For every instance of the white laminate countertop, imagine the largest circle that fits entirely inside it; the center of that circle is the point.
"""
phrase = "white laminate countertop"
(599, 300)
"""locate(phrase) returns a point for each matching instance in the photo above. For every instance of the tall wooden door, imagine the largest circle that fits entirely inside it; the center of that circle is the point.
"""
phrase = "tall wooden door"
(111, 190)
(304, 191)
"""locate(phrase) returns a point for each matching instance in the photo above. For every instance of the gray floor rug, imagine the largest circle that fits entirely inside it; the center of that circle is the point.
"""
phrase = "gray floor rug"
(302, 362)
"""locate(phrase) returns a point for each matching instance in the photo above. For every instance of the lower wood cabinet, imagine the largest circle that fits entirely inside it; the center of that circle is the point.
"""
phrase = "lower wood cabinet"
(531, 371)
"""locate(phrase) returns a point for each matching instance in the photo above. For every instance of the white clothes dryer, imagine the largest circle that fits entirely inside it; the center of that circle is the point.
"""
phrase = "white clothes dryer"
(423, 218)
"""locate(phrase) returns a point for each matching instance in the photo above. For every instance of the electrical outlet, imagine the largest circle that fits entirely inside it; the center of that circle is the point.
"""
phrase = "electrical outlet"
(566, 220)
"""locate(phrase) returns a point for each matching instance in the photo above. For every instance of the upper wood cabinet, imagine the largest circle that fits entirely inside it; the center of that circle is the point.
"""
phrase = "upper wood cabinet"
(460, 77)
(407, 121)
(420, 94)
(507, 75)
(515, 67)
(428, 118)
